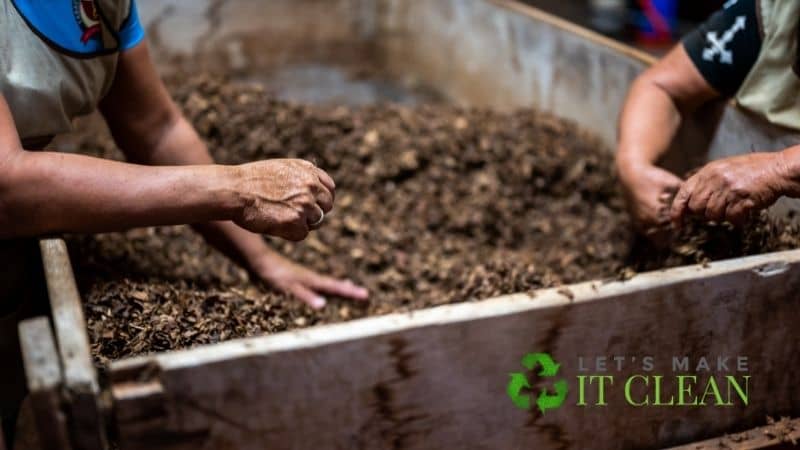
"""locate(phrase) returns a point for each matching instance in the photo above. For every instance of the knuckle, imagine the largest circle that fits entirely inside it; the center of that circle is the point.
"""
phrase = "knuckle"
(298, 218)
(739, 188)
(310, 181)
(728, 179)
(292, 217)
(307, 199)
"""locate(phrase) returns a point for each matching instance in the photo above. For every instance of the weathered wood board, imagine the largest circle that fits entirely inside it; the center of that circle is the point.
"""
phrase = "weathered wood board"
(761, 438)
(47, 424)
(80, 375)
(437, 378)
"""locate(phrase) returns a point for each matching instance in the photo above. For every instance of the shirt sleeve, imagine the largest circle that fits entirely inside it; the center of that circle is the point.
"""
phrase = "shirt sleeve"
(131, 33)
(725, 48)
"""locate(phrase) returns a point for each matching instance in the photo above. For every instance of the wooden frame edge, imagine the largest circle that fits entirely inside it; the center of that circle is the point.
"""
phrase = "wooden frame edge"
(590, 291)
(80, 376)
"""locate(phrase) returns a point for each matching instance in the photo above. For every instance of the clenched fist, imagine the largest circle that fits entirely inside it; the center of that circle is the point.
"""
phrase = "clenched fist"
(282, 197)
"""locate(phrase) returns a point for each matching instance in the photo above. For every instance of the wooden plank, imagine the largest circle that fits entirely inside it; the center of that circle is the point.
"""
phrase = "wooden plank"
(785, 434)
(436, 378)
(70, 325)
(44, 376)
(26, 431)
(80, 376)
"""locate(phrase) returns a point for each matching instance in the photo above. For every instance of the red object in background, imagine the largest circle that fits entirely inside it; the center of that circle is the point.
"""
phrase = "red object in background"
(657, 23)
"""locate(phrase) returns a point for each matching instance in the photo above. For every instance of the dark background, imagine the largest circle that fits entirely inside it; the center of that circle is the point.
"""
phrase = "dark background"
(690, 14)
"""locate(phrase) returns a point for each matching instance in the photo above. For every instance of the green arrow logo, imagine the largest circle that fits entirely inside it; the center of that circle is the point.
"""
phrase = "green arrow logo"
(545, 400)
(515, 386)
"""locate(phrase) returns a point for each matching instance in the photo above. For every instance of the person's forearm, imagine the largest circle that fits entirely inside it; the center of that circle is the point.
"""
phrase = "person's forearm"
(180, 144)
(47, 192)
(245, 248)
(648, 123)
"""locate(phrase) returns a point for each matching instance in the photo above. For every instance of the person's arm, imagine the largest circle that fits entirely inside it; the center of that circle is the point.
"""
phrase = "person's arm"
(650, 119)
(150, 129)
(696, 71)
(47, 192)
(731, 188)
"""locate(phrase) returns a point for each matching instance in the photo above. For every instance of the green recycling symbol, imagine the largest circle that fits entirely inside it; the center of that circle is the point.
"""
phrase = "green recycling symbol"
(519, 382)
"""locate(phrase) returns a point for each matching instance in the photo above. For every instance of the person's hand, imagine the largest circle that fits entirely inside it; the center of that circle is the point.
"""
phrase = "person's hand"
(305, 284)
(730, 189)
(282, 197)
(648, 191)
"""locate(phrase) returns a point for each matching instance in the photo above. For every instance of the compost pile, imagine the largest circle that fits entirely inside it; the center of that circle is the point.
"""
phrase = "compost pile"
(435, 204)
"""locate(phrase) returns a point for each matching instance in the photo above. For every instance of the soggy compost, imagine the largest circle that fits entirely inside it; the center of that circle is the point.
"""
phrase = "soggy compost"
(435, 204)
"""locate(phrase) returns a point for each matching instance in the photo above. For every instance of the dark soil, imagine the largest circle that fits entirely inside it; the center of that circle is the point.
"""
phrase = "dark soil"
(435, 204)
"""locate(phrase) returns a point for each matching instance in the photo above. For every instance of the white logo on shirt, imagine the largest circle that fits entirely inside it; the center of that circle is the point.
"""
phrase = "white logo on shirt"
(717, 45)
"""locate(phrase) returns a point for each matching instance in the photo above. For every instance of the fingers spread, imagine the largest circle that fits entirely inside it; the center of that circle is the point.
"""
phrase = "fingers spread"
(307, 296)
(341, 288)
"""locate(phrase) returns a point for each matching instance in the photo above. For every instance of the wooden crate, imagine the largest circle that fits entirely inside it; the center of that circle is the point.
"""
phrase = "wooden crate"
(437, 378)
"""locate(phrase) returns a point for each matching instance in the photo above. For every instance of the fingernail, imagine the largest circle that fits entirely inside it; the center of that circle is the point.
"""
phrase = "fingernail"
(318, 302)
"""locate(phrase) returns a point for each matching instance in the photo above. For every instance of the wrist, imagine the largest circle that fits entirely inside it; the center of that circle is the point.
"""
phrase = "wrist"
(629, 167)
(222, 191)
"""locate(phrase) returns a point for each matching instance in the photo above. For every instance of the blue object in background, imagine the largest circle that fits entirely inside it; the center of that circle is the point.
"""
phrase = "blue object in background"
(656, 20)
(75, 26)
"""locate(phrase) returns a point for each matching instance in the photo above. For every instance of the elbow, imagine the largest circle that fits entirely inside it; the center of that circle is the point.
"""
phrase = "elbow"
(141, 140)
